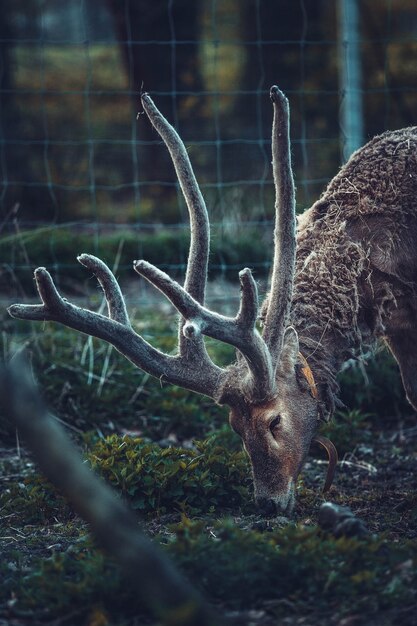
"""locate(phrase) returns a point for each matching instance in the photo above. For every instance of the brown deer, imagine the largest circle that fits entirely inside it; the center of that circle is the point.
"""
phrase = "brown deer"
(354, 280)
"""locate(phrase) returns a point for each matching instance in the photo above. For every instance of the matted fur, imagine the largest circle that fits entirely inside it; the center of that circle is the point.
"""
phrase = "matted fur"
(346, 243)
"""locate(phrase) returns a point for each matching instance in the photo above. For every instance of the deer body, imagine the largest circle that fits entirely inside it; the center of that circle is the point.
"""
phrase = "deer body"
(354, 280)
(356, 269)
(355, 283)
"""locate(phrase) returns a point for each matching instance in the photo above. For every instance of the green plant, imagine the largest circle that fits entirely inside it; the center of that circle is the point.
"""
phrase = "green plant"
(348, 429)
(80, 582)
(35, 500)
(154, 479)
(375, 387)
(88, 384)
(302, 565)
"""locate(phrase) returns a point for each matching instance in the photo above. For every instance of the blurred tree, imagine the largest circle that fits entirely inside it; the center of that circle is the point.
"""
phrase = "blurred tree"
(159, 43)
(305, 65)
(388, 55)
(23, 171)
(210, 65)
(9, 117)
(292, 44)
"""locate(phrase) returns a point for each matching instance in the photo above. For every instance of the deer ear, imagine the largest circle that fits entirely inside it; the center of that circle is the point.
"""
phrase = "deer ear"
(290, 349)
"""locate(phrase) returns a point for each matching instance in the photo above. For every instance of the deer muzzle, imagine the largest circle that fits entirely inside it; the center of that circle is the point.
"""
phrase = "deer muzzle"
(282, 504)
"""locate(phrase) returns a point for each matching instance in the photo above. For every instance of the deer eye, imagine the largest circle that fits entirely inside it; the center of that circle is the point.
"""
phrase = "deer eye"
(275, 423)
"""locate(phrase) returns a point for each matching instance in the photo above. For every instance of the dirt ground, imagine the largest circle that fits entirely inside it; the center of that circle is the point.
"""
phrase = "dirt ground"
(377, 480)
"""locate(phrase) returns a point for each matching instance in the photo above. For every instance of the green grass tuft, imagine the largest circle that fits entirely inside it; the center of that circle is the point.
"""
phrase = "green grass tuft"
(206, 479)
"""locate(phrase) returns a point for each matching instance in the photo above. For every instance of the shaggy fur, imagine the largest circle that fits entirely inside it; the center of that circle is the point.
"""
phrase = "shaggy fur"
(356, 257)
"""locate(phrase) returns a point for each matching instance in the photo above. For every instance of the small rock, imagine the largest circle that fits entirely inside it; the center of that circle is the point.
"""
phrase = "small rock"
(340, 521)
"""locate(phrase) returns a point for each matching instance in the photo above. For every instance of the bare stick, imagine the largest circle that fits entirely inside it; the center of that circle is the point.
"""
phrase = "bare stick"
(159, 585)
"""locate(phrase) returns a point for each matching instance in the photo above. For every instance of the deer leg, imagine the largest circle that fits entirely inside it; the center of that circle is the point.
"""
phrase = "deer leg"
(403, 345)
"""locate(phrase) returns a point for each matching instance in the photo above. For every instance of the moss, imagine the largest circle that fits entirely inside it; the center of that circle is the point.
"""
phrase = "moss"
(244, 568)
(35, 500)
(79, 582)
(207, 478)
(239, 568)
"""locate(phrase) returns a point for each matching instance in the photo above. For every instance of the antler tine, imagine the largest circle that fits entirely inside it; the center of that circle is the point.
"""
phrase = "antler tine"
(197, 264)
(238, 331)
(52, 301)
(159, 585)
(284, 236)
(115, 302)
(116, 329)
(252, 346)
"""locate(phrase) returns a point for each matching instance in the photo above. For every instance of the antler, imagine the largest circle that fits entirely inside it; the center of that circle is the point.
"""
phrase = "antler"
(192, 368)
(196, 273)
(116, 329)
(238, 331)
(279, 298)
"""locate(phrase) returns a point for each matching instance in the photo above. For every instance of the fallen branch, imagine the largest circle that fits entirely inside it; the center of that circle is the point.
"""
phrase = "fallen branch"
(162, 589)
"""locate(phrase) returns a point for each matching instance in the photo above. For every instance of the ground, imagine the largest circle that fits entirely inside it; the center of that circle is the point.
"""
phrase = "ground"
(195, 500)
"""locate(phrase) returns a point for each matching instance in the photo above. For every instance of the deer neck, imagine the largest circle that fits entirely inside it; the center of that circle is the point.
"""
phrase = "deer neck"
(325, 353)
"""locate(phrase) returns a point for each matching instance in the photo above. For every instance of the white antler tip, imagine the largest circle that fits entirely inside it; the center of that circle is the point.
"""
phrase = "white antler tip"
(40, 271)
(88, 260)
(246, 278)
(277, 96)
(245, 272)
(13, 310)
(140, 265)
(42, 276)
(148, 105)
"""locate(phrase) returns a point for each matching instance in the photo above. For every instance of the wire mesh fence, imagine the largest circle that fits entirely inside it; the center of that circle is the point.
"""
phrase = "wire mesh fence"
(76, 158)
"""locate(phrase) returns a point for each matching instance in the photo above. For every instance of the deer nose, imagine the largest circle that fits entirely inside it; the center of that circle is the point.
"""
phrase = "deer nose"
(267, 507)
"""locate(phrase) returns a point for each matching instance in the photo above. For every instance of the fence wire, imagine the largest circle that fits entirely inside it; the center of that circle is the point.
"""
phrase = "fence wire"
(75, 157)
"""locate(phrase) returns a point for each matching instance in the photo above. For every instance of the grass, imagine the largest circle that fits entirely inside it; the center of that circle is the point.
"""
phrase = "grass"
(96, 154)
(57, 248)
(90, 386)
(196, 497)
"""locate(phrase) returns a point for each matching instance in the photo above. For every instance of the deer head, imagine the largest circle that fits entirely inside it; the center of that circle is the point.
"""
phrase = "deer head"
(270, 389)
